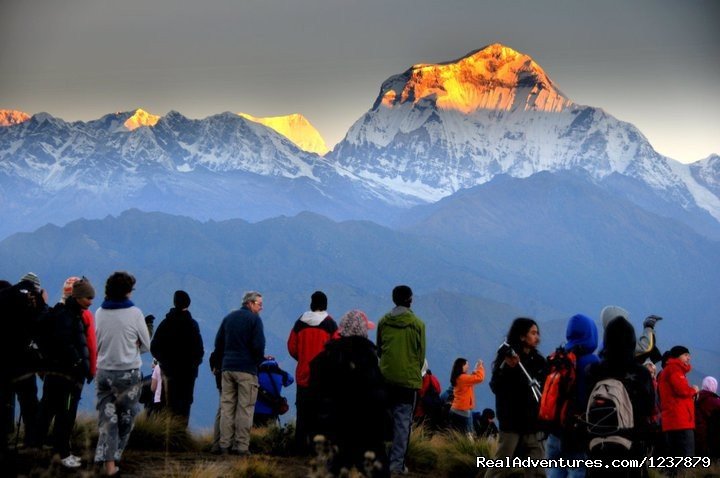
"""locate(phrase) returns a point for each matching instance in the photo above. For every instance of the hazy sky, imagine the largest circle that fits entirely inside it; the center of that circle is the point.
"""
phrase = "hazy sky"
(654, 63)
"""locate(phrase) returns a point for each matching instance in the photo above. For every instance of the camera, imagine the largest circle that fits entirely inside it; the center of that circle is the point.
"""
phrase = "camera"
(506, 350)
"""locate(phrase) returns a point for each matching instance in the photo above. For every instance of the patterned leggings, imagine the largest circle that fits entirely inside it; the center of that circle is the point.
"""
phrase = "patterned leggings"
(118, 393)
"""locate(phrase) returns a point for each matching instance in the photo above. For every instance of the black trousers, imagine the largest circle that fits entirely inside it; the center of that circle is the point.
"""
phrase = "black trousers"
(305, 421)
(61, 395)
(25, 389)
(178, 391)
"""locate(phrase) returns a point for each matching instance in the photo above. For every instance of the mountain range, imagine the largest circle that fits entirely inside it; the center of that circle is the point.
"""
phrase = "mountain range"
(432, 131)
(475, 260)
(476, 181)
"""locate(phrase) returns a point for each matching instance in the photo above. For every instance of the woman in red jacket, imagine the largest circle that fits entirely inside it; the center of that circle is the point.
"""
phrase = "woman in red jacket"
(463, 394)
(676, 403)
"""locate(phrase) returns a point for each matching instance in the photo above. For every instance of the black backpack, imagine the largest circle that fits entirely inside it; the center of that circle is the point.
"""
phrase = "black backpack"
(42, 347)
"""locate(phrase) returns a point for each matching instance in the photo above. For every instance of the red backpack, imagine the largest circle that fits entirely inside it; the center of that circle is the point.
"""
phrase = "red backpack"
(557, 404)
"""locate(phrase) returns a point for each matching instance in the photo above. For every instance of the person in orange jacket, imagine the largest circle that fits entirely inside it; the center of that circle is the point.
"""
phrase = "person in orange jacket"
(463, 393)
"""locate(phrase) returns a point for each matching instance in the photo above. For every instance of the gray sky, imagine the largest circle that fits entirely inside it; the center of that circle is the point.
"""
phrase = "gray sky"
(654, 63)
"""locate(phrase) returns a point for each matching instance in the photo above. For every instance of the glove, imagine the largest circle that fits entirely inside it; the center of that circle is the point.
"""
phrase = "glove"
(650, 321)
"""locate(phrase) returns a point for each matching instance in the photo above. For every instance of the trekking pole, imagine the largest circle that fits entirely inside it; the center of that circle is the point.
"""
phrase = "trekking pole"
(534, 384)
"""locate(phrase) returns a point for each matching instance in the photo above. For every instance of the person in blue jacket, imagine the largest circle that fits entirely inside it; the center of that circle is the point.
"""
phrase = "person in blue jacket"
(271, 380)
(582, 339)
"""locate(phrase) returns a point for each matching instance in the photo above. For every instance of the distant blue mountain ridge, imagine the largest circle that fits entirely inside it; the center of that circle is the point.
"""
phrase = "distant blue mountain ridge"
(547, 246)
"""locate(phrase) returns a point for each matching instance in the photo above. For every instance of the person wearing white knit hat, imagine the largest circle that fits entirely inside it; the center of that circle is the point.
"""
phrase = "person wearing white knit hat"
(707, 420)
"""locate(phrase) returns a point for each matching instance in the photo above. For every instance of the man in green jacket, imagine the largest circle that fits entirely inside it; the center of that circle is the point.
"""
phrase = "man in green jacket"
(401, 348)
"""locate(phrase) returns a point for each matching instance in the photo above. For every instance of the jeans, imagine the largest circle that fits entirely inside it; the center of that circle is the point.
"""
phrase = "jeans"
(553, 450)
(402, 407)
(460, 423)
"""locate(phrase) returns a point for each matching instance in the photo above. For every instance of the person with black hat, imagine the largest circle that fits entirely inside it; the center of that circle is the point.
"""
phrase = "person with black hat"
(177, 345)
(401, 348)
(307, 338)
(21, 306)
(676, 403)
(618, 363)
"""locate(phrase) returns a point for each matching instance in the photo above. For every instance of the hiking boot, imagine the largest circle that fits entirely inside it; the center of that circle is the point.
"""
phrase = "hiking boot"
(402, 472)
(71, 462)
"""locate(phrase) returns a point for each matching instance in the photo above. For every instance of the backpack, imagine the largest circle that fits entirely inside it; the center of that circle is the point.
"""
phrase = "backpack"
(277, 403)
(431, 400)
(557, 410)
(609, 416)
(42, 348)
(445, 407)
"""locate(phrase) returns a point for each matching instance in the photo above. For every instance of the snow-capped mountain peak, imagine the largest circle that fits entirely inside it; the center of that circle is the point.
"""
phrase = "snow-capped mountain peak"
(439, 128)
(493, 78)
(141, 118)
(296, 128)
(12, 117)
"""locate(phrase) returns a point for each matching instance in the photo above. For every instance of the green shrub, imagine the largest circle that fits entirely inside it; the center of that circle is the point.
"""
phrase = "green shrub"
(422, 453)
(161, 432)
(458, 454)
(273, 440)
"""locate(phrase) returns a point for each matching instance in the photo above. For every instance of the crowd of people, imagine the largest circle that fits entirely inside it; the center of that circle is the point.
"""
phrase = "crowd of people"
(360, 395)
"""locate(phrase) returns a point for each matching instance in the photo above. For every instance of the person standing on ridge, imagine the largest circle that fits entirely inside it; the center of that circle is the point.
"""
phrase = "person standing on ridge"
(122, 336)
(677, 407)
(463, 402)
(517, 374)
(69, 369)
(307, 339)
(240, 341)
(582, 340)
(177, 345)
(707, 420)
(21, 307)
(401, 348)
(617, 362)
(347, 383)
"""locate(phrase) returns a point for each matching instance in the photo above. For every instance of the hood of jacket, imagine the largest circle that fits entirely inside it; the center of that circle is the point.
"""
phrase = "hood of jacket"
(401, 316)
(581, 335)
(176, 314)
(313, 318)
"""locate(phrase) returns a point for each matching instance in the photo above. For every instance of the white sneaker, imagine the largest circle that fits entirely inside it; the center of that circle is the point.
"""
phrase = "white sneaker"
(71, 461)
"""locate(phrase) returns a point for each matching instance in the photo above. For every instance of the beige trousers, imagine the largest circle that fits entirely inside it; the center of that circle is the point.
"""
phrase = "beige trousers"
(237, 404)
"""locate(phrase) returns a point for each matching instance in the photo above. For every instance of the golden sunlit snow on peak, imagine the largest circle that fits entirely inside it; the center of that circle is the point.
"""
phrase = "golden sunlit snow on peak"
(495, 77)
(296, 128)
(141, 118)
(12, 117)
